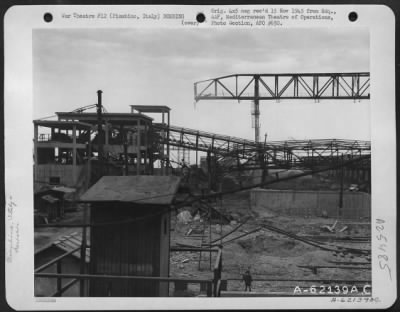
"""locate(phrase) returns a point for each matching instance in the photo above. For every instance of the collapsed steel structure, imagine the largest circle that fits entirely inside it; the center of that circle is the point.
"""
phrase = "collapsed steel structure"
(306, 154)
(240, 154)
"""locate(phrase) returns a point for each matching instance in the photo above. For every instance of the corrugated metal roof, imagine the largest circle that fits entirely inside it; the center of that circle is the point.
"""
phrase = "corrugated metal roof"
(158, 190)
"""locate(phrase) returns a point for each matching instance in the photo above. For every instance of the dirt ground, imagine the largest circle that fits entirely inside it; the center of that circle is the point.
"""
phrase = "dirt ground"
(273, 259)
(267, 254)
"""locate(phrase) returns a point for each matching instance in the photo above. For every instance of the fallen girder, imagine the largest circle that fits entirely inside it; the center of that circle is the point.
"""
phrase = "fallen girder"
(321, 245)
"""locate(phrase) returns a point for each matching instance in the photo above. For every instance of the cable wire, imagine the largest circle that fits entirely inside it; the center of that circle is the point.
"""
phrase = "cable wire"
(196, 198)
(47, 117)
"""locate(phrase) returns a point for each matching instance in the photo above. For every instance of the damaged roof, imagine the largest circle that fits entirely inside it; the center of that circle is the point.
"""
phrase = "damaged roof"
(159, 190)
(66, 243)
(70, 242)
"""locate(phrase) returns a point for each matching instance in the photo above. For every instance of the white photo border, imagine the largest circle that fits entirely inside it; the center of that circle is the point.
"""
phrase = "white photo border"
(19, 21)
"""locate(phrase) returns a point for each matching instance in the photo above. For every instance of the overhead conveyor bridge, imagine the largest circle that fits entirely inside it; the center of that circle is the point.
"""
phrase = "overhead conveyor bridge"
(290, 153)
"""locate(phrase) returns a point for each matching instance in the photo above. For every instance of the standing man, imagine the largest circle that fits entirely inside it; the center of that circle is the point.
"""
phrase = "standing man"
(247, 280)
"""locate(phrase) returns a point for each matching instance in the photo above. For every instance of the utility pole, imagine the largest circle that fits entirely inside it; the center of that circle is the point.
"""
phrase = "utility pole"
(83, 252)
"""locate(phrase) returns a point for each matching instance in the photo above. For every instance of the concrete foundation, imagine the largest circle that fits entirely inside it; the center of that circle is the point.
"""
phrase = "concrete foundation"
(356, 205)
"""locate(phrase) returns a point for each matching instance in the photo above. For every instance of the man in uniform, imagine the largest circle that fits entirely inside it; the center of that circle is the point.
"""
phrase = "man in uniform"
(247, 280)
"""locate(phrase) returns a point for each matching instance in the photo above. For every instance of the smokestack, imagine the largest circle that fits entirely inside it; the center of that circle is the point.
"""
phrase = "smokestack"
(99, 125)
(99, 92)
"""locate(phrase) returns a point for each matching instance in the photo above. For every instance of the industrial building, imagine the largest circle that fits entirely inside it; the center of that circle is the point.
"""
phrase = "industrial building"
(128, 186)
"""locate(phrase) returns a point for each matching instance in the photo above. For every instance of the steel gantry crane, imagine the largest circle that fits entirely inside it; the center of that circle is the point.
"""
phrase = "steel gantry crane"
(256, 87)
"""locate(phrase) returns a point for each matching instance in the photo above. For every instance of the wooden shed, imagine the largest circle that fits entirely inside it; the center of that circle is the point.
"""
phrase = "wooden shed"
(131, 233)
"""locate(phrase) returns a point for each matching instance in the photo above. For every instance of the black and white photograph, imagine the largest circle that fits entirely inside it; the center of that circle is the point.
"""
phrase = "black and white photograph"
(203, 162)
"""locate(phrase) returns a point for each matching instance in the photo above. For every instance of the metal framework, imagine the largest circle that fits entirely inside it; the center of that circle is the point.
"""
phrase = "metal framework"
(284, 86)
(280, 154)
(212, 285)
(256, 87)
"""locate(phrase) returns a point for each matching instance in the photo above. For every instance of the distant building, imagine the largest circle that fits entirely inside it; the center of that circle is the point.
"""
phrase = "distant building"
(132, 130)
(61, 150)
(51, 202)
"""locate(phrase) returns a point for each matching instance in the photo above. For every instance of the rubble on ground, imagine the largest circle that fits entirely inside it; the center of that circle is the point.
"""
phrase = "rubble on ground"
(270, 255)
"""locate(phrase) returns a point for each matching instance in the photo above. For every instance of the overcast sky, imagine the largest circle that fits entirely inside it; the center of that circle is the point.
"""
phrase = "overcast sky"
(159, 67)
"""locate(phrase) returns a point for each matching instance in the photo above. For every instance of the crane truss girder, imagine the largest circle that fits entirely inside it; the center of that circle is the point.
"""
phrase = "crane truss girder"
(338, 86)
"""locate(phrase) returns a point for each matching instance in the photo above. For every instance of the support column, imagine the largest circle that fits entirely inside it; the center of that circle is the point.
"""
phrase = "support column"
(138, 150)
(239, 169)
(163, 147)
(89, 164)
(146, 155)
(100, 140)
(197, 150)
(74, 169)
(59, 280)
(262, 163)
(340, 212)
(151, 148)
(209, 170)
(82, 268)
(124, 136)
(107, 133)
(256, 109)
(168, 141)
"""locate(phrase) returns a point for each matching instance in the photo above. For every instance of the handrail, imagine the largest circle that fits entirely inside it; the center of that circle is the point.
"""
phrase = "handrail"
(321, 280)
(77, 277)
(123, 277)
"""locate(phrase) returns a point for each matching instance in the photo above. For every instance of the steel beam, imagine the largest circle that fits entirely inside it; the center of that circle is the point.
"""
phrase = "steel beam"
(351, 86)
